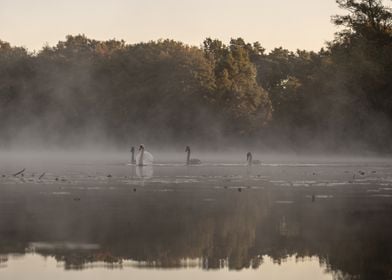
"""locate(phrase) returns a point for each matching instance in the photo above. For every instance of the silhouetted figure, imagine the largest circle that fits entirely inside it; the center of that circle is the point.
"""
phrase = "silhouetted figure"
(141, 156)
(189, 160)
(133, 160)
(249, 158)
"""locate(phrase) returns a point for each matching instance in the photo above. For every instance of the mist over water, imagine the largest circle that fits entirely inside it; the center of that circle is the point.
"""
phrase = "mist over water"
(160, 160)
(95, 212)
(85, 94)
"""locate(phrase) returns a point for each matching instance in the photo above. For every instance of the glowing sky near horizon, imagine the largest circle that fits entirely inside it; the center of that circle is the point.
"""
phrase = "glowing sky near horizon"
(303, 24)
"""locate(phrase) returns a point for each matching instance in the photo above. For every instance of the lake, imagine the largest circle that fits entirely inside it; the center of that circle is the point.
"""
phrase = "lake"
(103, 218)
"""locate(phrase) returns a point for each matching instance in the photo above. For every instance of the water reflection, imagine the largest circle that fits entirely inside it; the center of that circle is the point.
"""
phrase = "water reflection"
(220, 228)
(144, 172)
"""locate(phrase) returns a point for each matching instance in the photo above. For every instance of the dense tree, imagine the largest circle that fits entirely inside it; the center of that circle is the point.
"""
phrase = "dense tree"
(361, 67)
(16, 73)
(243, 101)
(165, 90)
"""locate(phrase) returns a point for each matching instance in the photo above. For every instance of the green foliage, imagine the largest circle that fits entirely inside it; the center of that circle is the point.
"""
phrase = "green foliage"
(165, 90)
(367, 19)
(162, 90)
(240, 98)
(361, 66)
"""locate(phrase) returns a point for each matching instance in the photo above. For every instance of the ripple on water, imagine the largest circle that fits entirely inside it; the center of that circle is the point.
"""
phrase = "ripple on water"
(33, 246)
(373, 190)
(284, 201)
(381, 195)
(324, 196)
(134, 182)
(164, 190)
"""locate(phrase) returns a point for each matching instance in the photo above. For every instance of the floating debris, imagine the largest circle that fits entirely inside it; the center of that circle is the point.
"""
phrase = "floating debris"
(20, 172)
(42, 175)
(109, 176)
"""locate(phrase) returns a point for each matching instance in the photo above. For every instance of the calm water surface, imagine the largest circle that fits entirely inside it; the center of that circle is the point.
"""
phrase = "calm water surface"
(278, 220)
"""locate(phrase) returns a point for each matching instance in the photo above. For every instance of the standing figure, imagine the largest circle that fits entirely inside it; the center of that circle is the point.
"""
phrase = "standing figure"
(190, 160)
(143, 157)
(133, 160)
(140, 155)
(249, 158)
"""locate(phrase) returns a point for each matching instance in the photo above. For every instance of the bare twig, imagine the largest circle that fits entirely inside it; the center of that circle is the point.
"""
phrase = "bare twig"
(42, 175)
(20, 172)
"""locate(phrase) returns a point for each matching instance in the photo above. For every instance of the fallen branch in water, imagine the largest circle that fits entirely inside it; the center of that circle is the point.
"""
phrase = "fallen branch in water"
(42, 175)
(20, 172)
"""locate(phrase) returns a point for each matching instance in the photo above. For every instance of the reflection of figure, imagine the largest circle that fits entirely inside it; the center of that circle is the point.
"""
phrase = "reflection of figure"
(190, 160)
(283, 226)
(288, 228)
(144, 172)
(133, 167)
(133, 161)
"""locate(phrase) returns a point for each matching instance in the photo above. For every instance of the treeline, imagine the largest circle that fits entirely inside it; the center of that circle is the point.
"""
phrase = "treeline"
(167, 91)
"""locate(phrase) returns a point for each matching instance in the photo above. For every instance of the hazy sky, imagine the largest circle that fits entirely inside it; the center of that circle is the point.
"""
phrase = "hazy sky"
(293, 24)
